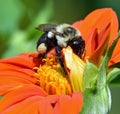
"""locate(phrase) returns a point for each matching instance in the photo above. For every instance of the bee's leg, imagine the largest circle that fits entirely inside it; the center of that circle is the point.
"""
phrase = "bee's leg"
(42, 50)
(41, 56)
(60, 59)
(58, 54)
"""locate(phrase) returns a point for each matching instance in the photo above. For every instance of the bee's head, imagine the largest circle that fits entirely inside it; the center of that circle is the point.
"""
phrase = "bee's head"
(66, 34)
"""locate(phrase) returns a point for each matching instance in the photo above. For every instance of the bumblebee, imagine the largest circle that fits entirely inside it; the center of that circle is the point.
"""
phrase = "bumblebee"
(59, 37)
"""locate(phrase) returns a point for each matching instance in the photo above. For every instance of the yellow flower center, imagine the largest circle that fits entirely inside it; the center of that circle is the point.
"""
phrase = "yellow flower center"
(51, 77)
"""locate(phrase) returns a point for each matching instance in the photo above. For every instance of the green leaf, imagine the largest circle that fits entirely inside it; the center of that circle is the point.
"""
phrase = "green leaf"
(114, 73)
(96, 101)
(90, 75)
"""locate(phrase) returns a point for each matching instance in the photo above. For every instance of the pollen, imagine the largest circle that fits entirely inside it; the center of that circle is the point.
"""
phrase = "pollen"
(52, 78)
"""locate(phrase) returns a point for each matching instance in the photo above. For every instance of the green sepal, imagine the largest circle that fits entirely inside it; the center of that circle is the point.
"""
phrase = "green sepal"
(96, 101)
(97, 97)
(90, 75)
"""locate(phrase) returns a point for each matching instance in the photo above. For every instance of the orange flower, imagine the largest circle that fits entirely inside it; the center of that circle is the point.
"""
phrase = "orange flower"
(31, 85)
(99, 29)
(26, 87)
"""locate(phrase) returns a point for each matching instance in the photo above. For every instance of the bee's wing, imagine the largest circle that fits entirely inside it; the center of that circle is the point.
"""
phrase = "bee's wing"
(46, 27)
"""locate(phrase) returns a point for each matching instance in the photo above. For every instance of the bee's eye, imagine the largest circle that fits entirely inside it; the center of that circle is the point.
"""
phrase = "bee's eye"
(69, 30)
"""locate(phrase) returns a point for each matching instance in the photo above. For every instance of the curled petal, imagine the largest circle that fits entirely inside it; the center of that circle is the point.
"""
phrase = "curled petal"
(75, 68)
(98, 20)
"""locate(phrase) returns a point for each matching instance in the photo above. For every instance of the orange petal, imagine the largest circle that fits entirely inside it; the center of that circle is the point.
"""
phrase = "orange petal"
(4, 89)
(29, 106)
(4, 67)
(98, 19)
(15, 77)
(77, 24)
(47, 105)
(19, 95)
(116, 54)
(69, 105)
(16, 71)
(101, 45)
(26, 60)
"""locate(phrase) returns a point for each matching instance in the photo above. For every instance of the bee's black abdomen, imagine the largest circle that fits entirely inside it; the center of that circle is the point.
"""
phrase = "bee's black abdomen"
(78, 46)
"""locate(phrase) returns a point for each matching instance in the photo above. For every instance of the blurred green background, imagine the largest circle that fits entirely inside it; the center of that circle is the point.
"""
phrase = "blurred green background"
(18, 19)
